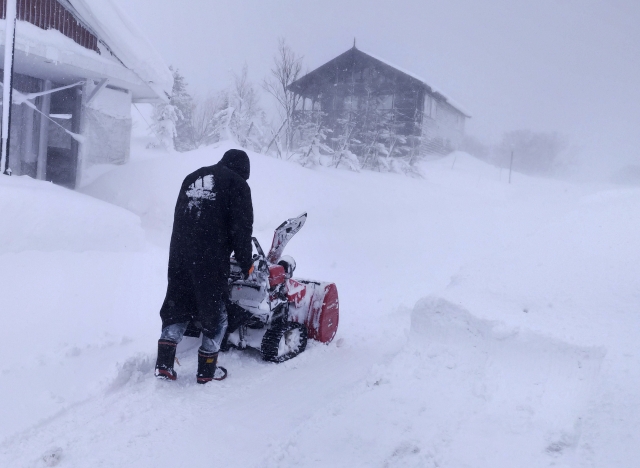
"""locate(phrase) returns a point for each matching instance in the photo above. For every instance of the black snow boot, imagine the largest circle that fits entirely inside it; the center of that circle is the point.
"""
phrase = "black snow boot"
(166, 357)
(208, 369)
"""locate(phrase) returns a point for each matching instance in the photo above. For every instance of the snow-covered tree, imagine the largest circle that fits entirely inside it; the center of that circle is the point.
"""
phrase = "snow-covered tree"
(413, 157)
(182, 101)
(208, 124)
(376, 135)
(221, 125)
(165, 118)
(231, 114)
(343, 155)
(310, 138)
(247, 121)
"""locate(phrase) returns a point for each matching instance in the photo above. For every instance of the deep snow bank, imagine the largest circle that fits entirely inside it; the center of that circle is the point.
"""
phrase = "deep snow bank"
(518, 395)
(574, 276)
(45, 217)
(67, 263)
(463, 392)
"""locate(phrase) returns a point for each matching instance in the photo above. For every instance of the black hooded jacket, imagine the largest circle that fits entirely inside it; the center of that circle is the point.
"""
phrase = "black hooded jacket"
(213, 218)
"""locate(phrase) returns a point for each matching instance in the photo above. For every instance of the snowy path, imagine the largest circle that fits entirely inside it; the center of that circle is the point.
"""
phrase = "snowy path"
(509, 361)
(257, 406)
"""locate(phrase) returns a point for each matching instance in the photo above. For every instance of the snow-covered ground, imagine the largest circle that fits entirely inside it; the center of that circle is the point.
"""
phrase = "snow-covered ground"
(483, 324)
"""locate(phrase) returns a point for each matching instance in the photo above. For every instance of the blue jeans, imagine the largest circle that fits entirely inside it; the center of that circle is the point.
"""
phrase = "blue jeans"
(210, 343)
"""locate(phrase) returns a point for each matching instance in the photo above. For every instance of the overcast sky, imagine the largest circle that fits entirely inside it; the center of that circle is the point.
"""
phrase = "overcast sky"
(566, 65)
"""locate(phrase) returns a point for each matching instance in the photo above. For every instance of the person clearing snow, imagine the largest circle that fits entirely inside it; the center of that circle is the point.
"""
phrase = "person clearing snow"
(213, 218)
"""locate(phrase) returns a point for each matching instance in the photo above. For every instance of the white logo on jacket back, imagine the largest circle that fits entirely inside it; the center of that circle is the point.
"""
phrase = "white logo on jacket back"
(201, 189)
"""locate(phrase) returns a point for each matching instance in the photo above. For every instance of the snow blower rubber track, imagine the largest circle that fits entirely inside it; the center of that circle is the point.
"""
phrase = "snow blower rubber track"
(295, 341)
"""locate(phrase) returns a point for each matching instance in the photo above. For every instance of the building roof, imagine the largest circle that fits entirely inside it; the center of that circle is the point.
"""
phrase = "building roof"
(123, 38)
(303, 82)
(122, 54)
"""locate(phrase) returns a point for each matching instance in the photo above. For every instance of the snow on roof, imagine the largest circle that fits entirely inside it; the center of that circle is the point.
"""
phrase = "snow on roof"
(126, 41)
(422, 80)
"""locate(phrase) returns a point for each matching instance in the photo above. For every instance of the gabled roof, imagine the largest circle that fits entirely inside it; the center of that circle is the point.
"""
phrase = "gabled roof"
(357, 54)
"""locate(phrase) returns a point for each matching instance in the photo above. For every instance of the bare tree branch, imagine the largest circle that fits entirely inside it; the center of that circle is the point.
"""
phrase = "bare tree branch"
(287, 67)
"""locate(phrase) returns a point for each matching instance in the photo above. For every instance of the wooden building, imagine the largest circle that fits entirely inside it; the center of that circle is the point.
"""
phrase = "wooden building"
(358, 88)
(79, 65)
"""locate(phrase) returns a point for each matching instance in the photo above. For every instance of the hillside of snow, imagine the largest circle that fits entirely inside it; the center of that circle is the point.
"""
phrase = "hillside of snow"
(482, 323)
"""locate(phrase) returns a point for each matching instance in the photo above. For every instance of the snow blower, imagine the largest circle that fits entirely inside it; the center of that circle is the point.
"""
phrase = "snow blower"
(273, 312)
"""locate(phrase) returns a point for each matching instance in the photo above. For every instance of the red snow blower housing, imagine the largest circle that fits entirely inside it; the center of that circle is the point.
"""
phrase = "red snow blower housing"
(275, 313)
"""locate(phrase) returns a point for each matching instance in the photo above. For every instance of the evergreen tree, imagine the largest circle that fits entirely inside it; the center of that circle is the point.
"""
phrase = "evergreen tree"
(310, 139)
(231, 114)
(344, 142)
(165, 117)
(183, 102)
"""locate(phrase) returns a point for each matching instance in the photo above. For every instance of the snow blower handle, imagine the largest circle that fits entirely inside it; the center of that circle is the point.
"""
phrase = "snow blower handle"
(258, 248)
(259, 264)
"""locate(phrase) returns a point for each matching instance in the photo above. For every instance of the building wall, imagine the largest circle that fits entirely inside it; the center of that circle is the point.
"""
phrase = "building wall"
(349, 87)
(362, 94)
(442, 127)
(104, 126)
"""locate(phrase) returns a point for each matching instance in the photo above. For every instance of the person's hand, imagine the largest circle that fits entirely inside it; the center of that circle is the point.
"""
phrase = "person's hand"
(249, 273)
(256, 272)
(253, 275)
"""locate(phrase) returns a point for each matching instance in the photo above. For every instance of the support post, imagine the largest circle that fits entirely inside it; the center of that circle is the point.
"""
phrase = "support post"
(43, 142)
(29, 159)
(510, 166)
(7, 88)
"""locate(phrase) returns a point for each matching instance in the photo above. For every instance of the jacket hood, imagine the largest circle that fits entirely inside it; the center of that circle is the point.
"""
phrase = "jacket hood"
(238, 161)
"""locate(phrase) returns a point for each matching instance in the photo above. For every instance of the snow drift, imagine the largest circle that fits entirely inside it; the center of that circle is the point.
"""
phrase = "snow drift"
(463, 392)
(45, 217)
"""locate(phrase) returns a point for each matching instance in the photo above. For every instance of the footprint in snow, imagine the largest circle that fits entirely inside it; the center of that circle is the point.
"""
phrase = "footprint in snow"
(52, 456)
